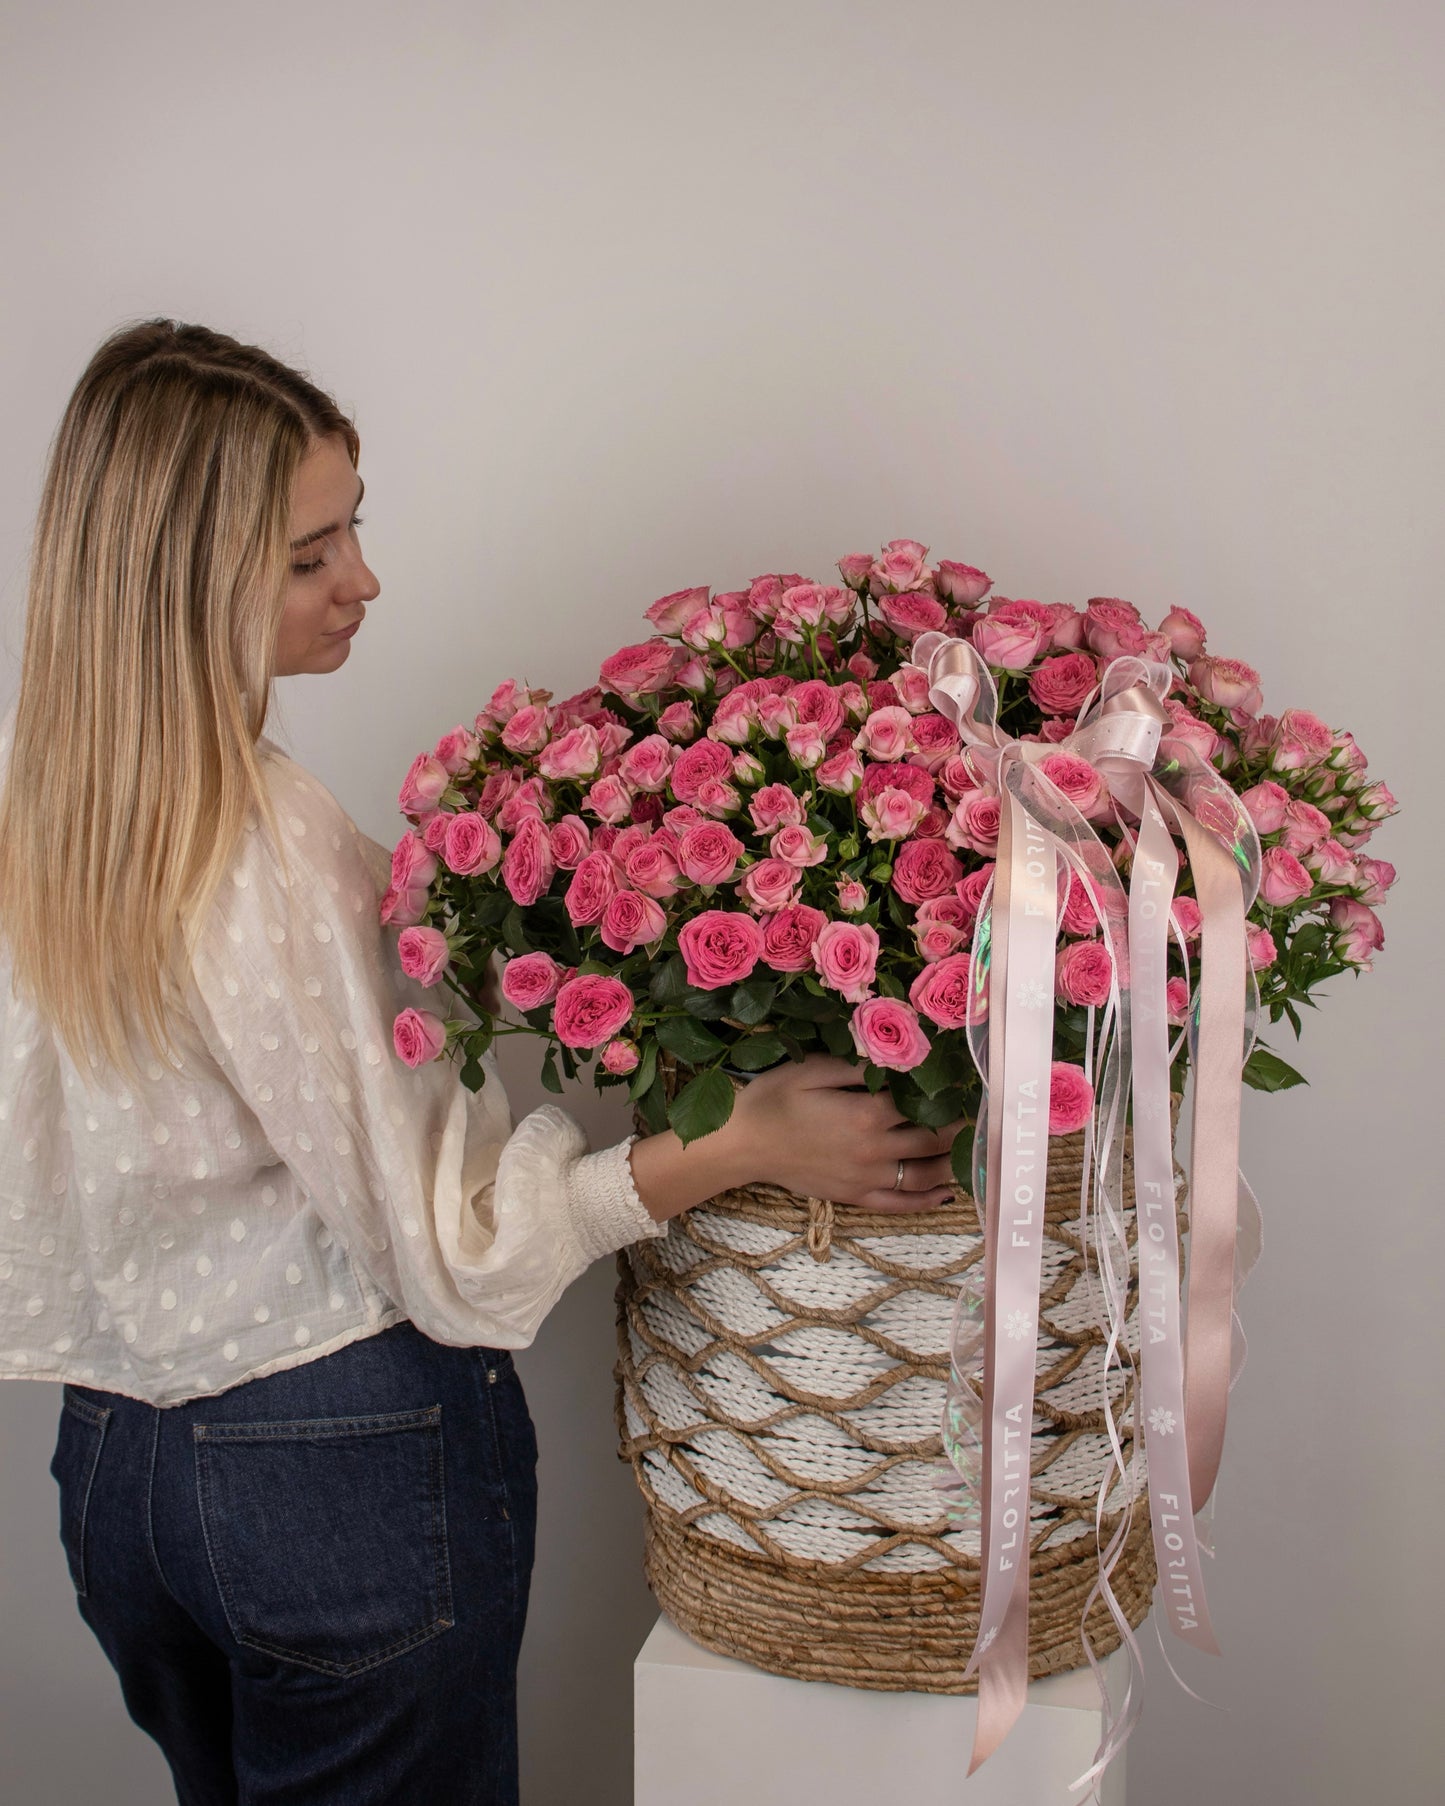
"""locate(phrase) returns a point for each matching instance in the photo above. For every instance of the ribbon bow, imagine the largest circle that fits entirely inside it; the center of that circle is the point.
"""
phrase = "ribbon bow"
(1163, 784)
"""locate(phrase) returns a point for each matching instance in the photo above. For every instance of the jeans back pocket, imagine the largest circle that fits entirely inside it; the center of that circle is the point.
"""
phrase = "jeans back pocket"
(78, 1443)
(327, 1537)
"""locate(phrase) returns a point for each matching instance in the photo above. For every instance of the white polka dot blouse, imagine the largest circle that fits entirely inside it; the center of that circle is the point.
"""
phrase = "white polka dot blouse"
(291, 1185)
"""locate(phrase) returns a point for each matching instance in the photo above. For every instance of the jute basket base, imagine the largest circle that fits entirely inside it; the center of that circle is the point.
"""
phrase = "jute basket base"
(892, 1632)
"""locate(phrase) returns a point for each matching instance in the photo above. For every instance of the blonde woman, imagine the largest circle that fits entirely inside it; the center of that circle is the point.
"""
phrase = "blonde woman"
(279, 1275)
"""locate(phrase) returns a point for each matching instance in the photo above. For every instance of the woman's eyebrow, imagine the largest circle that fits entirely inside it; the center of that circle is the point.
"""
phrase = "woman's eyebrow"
(322, 532)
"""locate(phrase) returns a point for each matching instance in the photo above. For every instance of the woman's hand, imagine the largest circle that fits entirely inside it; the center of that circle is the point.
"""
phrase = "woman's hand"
(809, 1125)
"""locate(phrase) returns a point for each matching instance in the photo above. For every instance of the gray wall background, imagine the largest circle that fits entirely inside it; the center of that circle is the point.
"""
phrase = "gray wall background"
(1137, 299)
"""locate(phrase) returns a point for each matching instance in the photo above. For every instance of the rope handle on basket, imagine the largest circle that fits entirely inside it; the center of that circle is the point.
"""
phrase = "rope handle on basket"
(820, 1228)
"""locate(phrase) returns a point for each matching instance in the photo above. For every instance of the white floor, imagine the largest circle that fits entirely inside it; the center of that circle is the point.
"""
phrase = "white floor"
(710, 1731)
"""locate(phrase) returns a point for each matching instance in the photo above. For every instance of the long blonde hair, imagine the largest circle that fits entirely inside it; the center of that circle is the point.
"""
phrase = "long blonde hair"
(157, 586)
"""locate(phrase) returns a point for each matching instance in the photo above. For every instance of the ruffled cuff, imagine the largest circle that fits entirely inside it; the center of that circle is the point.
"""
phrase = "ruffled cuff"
(602, 1202)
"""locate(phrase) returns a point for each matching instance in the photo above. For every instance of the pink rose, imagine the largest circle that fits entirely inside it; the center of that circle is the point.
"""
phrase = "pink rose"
(531, 979)
(788, 937)
(719, 947)
(497, 786)
(1080, 917)
(1184, 632)
(678, 721)
(1083, 973)
(636, 671)
(571, 838)
(652, 866)
(458, 749)
(935, 940)
(852, 896)
(924, 869)
(609, 798)
(1188, 916)
(945, 992)
(1227, 682)
(434, 830)
(620, 1056)
(1071, 1098)
(905, 776)
(960, 584)
(840, 773)
(631, 920)
(970, 892)
(1376, 802)
(1304, 827)
(1176, 1000)
(1060, 685)
(855, 568)
(1266, 803)
(590, 1008)
(1330, 862)
(911, 612)
(1300, 741)
(1066, 628)
(423, 953)
(705, 759)
(594, 883)
(1283, 879)
(527, 864)
(422, 787)
(936, 740)
(902, 564)
(412, 866)
(887, 734)
(1010, 644)
(806, 743)
(527, 730)
(887, 1031)
(1359, 934)
(1260, 942)
(1080, 783)
(472, 844)
(769, 885)
(1107, 623)
(891, 814)
(574, 754)
(1373, 877)
(775, 806)
(845, 956)
(669, 613)
(401, 907)
(798, 845)
(1188, 730)
(708, 853)
(817, 700)
(419, 1036)
(717, 798)
(975, 822)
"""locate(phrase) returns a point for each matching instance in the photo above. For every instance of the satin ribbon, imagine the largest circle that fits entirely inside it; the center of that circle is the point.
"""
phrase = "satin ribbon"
(1186, 1373)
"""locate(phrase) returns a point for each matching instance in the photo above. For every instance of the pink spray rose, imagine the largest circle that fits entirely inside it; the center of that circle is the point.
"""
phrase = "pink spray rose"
(1080, 783)
(593, 886)
(961, 584)
(423, 953)
(769, 885)
(1184, 632)
(609, 798)
(911, 613)
(975, 823)
(945, 992)
(1010, 644)
(719, 947)
(1373, 877)
(1176, 1000)
(635, 671)
(590, 1008)
(647, 762)
(887, 1031)
(471, 845)
(1071, 1098)
(571, 841)
(423, 785)
(1359, 933)
(708, 853)
(887, 734)
(852, 896)
(1083, 972)
(527, 864)
(901, 565)
(1260, 942)
(1227, 682)
(1283, 880)
(1079, 917)
(788, 937)
(1266, 803)
(705, 759)
(531, 979)
(631, 920)
(775, 806)
(891, 814)
(845, 956)
(457, 749)
(620, 1056)
(798, 845)
(1108, 624)
(923, 869)
(1060, 685)
(419, 1036)
(1300, 741)
(412, 866)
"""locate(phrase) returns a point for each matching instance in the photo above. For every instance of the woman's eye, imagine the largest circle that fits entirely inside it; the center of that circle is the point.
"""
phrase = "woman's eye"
(315, 564)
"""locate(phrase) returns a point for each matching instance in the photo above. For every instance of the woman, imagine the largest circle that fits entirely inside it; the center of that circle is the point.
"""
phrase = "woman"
(278, 1274)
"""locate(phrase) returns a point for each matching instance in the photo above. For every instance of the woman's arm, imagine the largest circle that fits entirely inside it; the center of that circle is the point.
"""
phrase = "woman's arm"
(808, 1125)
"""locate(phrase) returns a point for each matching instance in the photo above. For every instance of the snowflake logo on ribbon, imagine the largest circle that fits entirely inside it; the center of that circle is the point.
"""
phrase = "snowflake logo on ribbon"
(1161, 1421)
(1033, 995)
(986, 1640)
(1017, 1325)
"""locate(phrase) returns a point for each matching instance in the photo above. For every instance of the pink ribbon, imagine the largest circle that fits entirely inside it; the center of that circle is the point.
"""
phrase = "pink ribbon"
(1186, 1372)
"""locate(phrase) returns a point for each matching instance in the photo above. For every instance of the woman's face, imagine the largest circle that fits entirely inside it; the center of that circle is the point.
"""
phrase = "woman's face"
(330, 580)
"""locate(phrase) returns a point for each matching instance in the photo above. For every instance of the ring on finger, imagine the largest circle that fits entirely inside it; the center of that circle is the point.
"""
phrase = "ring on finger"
(898, 1182)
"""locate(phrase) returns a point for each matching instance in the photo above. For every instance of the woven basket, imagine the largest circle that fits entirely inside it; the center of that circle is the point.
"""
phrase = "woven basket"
(780, 1385)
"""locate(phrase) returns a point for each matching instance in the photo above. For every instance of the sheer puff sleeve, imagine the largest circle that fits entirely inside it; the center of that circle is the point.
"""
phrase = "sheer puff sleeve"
(473, 1226)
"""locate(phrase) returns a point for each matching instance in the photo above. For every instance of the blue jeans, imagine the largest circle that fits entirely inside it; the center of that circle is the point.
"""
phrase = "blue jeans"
(313, 1586)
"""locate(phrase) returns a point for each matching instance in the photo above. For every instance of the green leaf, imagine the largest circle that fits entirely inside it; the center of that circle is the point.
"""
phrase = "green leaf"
(550, 1076)
(897, 911)
(653, 1105)
(489, 910)
(794, 1047)
(755, 1052)
(805, 1005)
(472, 1074)
(874, 1077)
(891, 986)
(669, 982)
(812, 985)
(960, 1159)
(752, 999)
(646, 1070)
(1294, 1020)
(1267, 1072)
(837, 1037)
(905, 1093)
(938, 1111)
(514, 931)
(703, 1105)
(688, 1039)
(710, 1006)
(1308, 939)
(934, 1073)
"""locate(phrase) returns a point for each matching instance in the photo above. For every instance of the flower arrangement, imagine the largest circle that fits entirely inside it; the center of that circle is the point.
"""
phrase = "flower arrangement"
(755, 836)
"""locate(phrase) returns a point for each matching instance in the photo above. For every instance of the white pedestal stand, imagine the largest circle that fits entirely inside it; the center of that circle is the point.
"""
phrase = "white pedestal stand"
(709, 1731)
